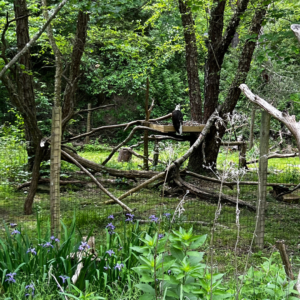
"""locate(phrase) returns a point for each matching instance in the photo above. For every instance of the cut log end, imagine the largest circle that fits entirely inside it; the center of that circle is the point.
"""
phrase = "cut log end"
(124, 155)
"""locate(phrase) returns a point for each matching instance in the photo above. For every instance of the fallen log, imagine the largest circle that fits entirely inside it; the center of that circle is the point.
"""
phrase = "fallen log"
(275, 155)
(215, 196)
(132, 174)
(230, 184)
(66, 182)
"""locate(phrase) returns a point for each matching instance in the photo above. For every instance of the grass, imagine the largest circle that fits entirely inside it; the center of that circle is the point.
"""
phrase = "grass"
(281, 219)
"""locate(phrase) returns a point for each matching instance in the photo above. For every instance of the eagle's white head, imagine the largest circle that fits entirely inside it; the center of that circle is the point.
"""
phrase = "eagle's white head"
(177, 107)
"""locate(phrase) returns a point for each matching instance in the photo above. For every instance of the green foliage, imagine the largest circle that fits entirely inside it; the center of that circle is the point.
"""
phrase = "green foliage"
(267, 281)
(178, 275)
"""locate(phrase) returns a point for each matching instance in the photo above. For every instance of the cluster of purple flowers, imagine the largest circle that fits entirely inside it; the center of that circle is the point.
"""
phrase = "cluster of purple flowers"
(154, 219)
(10, 277)
(129, 217)
(167, 215)
(83, 246)
(30, 288)
(53, 238)
(117, 266)
(110, 227)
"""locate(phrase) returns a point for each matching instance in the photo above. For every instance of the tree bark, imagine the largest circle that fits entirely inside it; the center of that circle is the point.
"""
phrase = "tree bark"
(191, 55)
(212, 144)
(78, 48)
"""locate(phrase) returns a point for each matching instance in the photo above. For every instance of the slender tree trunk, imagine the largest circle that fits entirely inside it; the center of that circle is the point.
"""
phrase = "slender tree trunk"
(191, 60)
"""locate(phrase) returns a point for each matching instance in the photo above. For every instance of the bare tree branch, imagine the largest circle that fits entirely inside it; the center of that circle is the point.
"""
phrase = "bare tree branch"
(92, 109)
(34, 39)
(124, 206)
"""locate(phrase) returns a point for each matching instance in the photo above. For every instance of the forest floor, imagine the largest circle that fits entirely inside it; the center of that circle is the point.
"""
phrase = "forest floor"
(86, 201)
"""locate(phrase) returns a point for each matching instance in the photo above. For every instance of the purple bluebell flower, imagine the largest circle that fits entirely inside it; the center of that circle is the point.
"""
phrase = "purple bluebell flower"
(110, 217)
(31, 250)
(15, 232)
(107, 267)
(130, 217)
(83, 246)
(13, 225)
(169, 272)
(110, 227)
(10, 277)
(119, 266)
(31, 287)
(47, 245)
(52, 238)
(120, 248)
(167, 215)
(153, 218)
(56, 240)
(160, 236)
(63, 278)
(110, 252)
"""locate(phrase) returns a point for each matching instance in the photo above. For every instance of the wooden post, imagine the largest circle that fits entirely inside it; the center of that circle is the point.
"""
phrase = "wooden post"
(146, 165)
(262, 172)
(88, 123)
(285, 259)
(242, 156)
(251, 137)
(55, 171)
(155, 153)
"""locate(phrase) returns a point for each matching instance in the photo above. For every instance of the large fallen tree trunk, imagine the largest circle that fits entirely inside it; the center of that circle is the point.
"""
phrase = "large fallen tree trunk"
(133, 174)
(232, 183)
(211, 196)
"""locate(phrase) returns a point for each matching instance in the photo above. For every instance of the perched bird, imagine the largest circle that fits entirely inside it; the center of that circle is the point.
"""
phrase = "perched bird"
(177, 119)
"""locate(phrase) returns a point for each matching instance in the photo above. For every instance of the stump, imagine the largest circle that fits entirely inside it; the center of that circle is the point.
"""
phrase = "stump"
(124, 155)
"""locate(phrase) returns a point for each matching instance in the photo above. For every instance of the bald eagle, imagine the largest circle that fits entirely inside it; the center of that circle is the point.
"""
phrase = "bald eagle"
(177, 119)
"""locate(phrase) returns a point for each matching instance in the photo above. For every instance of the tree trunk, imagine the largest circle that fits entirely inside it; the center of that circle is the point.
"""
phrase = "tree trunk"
(211, 147)
(191, 60)
(217, 47)
(78, 48)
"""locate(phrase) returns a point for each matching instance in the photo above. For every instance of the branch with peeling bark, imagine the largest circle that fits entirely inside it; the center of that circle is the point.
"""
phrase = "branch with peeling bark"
(289, 121)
